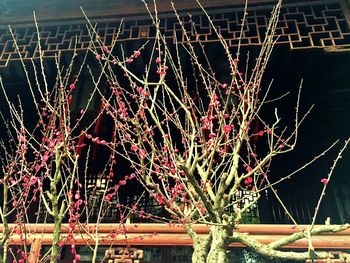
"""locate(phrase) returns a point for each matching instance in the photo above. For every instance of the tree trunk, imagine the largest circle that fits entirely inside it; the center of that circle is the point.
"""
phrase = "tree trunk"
(200, 250)
(219, 245)
(213, 248)
(3, 256)
(55, 242)
(6, 232)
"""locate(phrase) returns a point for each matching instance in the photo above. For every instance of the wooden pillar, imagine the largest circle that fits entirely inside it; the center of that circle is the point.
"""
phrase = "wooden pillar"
(35, 251)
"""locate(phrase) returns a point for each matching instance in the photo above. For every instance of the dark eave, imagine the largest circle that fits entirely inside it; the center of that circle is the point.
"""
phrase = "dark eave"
(21, 11)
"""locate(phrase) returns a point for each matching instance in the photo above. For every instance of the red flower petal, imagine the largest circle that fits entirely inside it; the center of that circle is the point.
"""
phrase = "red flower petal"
(227, 128)
(324, 181)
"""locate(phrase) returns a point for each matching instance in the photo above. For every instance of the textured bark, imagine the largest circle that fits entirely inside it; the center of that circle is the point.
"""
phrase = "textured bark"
(219, 245)
(55, 241)
(3, 256)
(270, 251)
(212, 249)
(199, 253)
(200, 245)
(57, 213)
(6, 232)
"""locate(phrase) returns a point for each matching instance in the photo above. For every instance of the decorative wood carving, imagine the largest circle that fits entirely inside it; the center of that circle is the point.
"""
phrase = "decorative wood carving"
(302, 26)
(124, 255)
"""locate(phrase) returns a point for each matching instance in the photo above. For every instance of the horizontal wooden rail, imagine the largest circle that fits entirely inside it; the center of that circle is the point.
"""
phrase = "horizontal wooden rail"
(165, 235)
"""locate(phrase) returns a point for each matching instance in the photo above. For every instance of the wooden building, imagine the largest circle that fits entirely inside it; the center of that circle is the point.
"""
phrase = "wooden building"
(313, 44)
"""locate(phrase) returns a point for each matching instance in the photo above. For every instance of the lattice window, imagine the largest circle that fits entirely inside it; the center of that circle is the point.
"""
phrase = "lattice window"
(333, 257)
(124, 255)
(320, 25)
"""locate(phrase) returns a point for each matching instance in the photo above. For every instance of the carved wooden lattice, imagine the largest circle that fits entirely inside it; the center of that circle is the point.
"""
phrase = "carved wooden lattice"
(324, 24)
(124, 255)
(333, 257)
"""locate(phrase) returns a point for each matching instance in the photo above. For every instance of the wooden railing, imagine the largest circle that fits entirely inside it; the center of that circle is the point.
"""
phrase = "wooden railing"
(165, 235)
